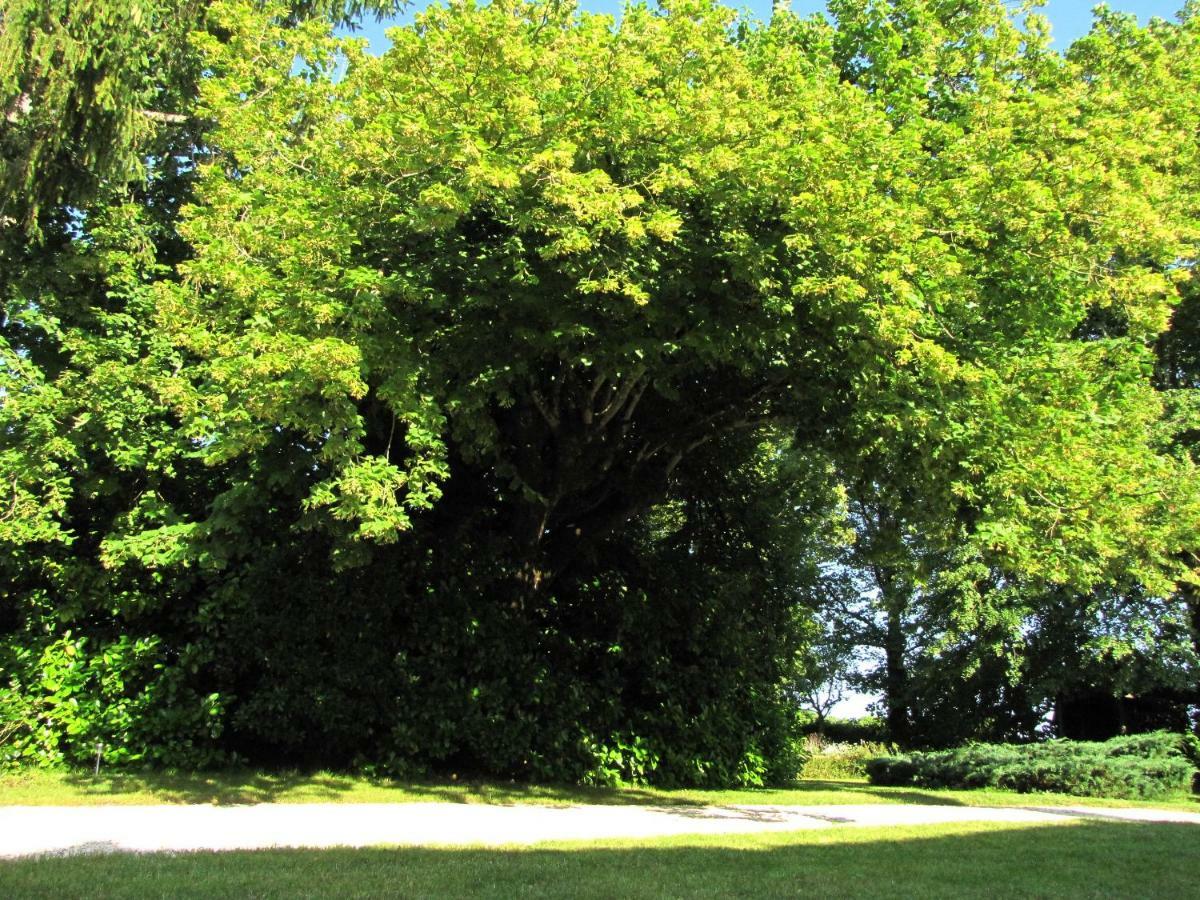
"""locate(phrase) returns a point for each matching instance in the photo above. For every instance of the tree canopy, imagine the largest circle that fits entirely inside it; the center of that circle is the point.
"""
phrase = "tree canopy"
(559, 359)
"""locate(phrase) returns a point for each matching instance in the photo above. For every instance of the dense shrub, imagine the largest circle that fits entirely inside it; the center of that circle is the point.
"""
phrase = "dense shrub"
(427, 658)
(69, 699)
(1143, 766)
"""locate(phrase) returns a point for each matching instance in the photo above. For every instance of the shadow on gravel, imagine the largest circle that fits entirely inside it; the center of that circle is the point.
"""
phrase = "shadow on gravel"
(500, 793)
(724, 813)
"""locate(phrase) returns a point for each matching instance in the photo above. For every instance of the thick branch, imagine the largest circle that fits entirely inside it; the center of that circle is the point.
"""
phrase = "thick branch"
(548, 414)
(621, 395)
(589, 407)
(165, 118)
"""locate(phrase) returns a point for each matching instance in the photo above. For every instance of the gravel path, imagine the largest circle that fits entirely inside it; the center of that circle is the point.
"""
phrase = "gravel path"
(33, 830)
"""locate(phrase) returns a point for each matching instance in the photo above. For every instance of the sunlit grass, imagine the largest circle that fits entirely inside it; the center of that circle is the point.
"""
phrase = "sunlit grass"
(45, 788)
(1083, 859)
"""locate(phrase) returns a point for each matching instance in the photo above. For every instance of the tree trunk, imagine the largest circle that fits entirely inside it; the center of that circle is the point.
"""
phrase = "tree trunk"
(895, 649)
(1191, 597)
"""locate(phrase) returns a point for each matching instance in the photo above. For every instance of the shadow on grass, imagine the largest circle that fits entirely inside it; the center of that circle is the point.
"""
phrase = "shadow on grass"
(951, 796)
(220, 788)
(1090, 859)
(232, 787)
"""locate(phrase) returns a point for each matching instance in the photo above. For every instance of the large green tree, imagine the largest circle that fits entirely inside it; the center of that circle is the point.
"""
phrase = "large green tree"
(500, 347)
(589, 250)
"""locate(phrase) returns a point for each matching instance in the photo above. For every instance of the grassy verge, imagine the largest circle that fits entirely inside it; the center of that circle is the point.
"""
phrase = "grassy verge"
(1088, 859)
(42, 788)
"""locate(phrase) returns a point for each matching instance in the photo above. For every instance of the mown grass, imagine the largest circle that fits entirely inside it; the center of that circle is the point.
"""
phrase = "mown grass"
(1084, 859)
(49, 788)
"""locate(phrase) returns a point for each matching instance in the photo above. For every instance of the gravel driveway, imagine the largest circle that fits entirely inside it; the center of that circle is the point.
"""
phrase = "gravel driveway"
(33, 830)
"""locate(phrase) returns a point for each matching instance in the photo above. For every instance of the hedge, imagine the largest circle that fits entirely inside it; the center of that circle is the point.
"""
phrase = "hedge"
(1144, 766)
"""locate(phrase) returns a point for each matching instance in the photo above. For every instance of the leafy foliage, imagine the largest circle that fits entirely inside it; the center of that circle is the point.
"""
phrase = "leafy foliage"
(519, 401)
(1140, 767)
(69, 703)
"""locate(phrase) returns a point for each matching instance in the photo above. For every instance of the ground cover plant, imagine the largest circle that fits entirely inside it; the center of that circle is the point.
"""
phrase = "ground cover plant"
(537, 400)
(1140, 766)
(1077, 860)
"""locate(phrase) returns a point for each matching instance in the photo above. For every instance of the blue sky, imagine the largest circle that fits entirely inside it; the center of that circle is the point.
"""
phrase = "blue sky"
(1068, 18)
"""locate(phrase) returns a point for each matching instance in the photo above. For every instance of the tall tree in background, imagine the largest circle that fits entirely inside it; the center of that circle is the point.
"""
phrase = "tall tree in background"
(1062, 408)
(98, 148)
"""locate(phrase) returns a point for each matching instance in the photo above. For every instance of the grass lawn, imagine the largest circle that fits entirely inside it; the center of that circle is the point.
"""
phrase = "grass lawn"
(1083, 859)
(42, 788)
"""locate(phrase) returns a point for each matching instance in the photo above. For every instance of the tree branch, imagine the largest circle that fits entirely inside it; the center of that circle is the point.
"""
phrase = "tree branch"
(548, 414)
(165, 118)
(622, 394)
(589, 408)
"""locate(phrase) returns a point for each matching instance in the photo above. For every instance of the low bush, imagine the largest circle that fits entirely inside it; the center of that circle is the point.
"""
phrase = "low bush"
(1143, 767)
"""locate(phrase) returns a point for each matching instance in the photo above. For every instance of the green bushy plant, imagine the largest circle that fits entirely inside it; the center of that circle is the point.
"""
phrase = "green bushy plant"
(1147, 766)
(623, 759)
(791, 761)
(1156, 745)
(72, 698)
(891, 771)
